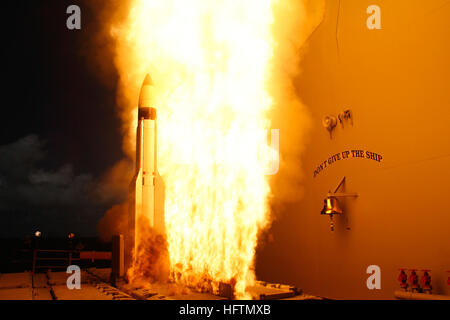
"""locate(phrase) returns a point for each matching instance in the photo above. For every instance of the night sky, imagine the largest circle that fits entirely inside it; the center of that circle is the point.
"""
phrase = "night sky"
(59, 130)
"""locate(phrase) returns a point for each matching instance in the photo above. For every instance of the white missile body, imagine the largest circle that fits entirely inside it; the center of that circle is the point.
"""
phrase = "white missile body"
(142, 188)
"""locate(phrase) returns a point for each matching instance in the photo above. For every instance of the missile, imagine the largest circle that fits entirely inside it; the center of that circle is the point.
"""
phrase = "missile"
(142, 187)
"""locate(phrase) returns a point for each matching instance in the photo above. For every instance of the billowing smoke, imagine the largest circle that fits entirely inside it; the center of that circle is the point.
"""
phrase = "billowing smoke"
(32, 195)
(113, 222)
(295, 22)
(25, 183)
(114, 185)
(155, 266)
(104, 61)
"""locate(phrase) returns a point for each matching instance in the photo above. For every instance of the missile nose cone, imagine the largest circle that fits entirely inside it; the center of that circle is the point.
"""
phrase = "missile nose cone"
(146, 108)
(147, 81)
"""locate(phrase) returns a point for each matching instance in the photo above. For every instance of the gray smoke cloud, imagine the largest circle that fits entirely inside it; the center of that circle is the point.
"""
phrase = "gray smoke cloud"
(56, 200)
(24, 183)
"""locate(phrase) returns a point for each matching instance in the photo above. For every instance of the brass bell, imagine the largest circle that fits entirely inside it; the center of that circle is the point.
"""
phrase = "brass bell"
(331, 206)
(331, 203)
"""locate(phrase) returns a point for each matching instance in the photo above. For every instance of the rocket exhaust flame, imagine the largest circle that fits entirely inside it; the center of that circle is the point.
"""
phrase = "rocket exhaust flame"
(212, 66)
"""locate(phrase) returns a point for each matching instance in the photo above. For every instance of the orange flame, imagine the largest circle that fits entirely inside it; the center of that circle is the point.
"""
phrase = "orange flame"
(211, 64)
